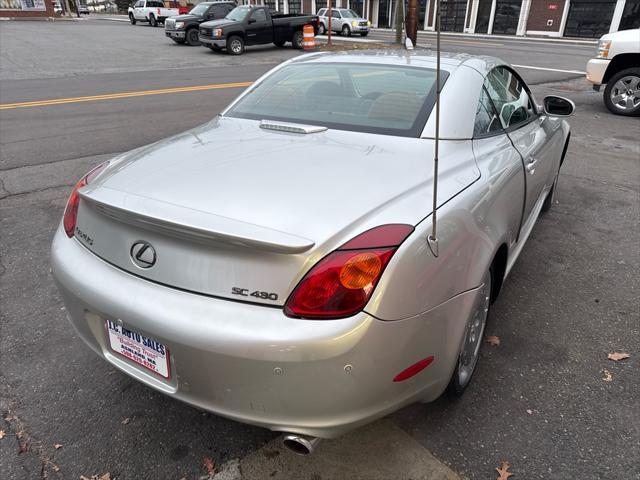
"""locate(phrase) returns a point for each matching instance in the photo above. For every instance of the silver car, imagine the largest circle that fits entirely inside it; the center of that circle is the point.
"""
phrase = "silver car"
(272, 266)
(343, 21)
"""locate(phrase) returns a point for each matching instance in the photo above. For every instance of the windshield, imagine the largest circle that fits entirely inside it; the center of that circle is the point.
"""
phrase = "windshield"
(199, 9)
(384, 99)
(348, 14)
(238, 14)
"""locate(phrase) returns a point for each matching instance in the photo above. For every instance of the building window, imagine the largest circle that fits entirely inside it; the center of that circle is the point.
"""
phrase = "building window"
(589, 19)
(506, 18)
(421, 13)
(630, 15)
(295, 6)
(452, 15)
(484, 15)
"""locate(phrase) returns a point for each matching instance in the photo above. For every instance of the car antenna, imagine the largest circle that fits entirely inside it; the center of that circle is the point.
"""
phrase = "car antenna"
(432, 239)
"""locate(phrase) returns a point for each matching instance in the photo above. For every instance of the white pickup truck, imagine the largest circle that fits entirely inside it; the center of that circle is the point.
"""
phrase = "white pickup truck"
(617, 64)
(152, 11)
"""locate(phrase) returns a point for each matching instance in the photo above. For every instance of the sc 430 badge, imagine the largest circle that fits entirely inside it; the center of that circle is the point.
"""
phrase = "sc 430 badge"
(244, 292)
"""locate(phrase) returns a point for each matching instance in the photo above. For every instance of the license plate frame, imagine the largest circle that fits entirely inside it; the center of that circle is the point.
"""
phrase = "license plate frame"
(144, 351)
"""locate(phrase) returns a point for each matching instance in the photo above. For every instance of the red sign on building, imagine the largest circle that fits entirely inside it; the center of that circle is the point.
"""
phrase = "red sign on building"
(552, 6)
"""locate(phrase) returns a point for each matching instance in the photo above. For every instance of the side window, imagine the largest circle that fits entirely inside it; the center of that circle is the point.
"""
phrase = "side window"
(139, 4)
(487, 120)
(259, 15)
(510, 97)
(321, 12)
(218, 11)
(335, 14)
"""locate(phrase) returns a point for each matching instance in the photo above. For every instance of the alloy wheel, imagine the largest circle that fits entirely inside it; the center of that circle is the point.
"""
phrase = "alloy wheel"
(474, 333)
(625, 94)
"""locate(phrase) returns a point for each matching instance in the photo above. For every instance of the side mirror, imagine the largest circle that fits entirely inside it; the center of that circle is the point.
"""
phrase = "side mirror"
(252, 20)
(558, 106)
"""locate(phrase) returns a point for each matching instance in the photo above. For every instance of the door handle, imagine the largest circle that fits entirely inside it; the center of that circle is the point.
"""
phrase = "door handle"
(531, 165)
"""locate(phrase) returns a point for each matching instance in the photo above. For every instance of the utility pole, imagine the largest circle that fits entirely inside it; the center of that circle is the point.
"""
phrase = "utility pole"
(67, 9)
(412, 21)
(399, 19)
(329, 29)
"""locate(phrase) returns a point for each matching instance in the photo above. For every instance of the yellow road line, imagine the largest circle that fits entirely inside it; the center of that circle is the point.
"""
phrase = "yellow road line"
(115, 96)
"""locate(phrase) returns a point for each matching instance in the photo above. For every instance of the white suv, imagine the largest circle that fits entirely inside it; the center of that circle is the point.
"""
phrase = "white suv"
(617, 65)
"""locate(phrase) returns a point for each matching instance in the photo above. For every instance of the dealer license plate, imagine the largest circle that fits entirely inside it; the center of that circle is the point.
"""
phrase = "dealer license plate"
(142, 350)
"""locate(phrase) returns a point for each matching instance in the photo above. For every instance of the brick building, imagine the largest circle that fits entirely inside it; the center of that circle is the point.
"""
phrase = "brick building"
(26, 8)
(553, 18)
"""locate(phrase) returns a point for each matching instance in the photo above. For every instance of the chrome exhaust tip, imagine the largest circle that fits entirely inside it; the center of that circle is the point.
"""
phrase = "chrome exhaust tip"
(300, 444)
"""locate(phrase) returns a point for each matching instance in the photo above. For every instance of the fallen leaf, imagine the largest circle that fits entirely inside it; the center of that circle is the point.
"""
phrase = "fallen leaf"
(607, 375)
(105, 476)
(24, 447)
(125, 421)
(493, 340)
(55, 467)
(529, 411)
(617, 356)
(209, 464)
(2, 434)
(503, 471)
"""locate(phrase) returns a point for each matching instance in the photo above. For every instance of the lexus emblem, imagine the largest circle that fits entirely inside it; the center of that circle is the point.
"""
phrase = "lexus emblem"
(143, 254)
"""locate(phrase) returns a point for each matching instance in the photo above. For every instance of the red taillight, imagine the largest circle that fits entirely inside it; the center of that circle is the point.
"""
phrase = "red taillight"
(341, 284)
(71, 210)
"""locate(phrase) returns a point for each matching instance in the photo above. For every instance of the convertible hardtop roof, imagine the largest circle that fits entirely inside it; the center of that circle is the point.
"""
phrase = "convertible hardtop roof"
(413, 58)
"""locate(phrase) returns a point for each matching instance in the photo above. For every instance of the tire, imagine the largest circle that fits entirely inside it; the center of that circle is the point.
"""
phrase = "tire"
(192, 37)
(279, 43)
(322, 29)
(548, 202)
(346, 31)
(132, 19)
(297, 40)
(473, 338)
(364, 34)
(624, 87)
(152, 21)
(235, 45)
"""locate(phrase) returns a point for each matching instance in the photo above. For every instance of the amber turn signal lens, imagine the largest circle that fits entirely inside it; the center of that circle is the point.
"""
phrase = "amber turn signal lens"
(360, 271)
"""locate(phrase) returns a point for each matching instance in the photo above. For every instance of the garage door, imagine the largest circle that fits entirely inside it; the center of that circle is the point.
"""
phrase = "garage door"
(506, 18)
(589, 18)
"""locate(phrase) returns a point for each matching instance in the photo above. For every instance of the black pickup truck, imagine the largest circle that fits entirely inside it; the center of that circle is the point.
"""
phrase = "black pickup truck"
(184, 28)
(251, 25)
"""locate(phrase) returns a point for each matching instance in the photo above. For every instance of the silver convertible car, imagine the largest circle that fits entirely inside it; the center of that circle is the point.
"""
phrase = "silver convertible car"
(273, 265)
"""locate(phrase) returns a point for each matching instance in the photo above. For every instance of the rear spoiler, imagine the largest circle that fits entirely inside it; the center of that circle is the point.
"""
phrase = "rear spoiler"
(186, 222)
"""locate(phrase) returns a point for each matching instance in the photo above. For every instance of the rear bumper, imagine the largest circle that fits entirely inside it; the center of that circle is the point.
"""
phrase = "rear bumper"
(596, 69)
(212, 41)
(252, 363)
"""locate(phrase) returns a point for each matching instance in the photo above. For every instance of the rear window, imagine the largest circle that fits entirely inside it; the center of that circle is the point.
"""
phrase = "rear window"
(383, 99)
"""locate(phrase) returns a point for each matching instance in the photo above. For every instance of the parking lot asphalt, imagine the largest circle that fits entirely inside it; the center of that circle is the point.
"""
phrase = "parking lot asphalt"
(538, 401)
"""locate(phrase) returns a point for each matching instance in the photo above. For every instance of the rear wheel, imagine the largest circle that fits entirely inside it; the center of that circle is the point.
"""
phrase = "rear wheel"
(152, 21)
(235, 45)
(297, 40)
(192, 37)
(473, 335)
(322, 29)
(622, 93)
(132, 19)
(346, 31)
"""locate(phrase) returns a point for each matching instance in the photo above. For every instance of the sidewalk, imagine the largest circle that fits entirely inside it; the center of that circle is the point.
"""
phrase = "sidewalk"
(487, 36)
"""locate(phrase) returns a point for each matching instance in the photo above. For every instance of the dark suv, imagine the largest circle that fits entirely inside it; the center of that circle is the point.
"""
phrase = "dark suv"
(184, 28)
